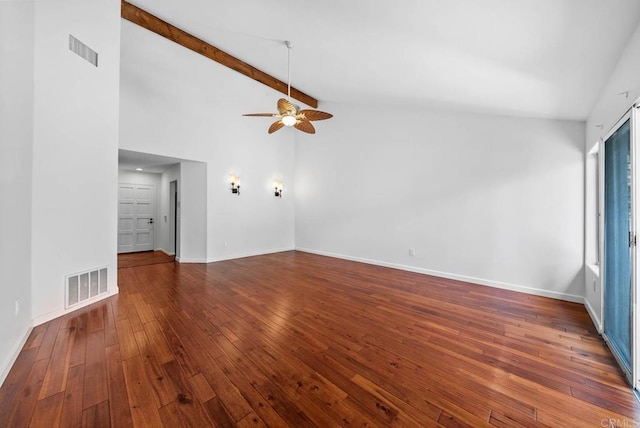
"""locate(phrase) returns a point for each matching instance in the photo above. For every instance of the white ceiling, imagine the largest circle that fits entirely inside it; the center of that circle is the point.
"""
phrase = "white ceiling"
(131, 161)
(538, 58)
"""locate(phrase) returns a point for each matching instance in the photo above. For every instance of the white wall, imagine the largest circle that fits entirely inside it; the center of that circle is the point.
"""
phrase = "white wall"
(611, 105)
(137, 177)
(177, 103)
(16, 135)
(75, 142)
(164, 228)
(192, 203)
(489, 199)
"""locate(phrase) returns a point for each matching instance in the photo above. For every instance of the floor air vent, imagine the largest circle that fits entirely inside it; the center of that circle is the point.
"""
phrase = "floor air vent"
(83, 50)
(85, 286)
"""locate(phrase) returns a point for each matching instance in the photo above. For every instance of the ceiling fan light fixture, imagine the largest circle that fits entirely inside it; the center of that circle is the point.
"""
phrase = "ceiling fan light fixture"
(290, 114)
(289, 120)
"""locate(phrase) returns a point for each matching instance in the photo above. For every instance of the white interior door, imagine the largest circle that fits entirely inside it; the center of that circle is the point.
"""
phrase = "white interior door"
(136, 208)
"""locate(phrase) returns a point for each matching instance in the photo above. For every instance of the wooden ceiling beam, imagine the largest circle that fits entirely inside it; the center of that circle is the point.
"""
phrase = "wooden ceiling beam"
(153, 23)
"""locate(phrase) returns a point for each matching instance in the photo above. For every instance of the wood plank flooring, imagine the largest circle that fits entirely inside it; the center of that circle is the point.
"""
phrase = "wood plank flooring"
(143, 259)
(300, 340)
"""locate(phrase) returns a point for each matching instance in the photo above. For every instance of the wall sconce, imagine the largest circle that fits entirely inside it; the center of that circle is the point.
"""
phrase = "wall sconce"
(277, 185)
(235, 184)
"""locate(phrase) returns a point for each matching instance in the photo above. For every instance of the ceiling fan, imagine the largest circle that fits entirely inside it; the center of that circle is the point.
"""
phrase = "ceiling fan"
(290, 114)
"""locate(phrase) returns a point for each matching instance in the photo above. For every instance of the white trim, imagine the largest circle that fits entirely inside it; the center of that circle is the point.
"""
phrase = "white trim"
(594, 316)
(13, 355)
(165, 251)
(594, 268)
(249, 254)
(48, 316)
(190, 260)
(635, 296)
(480, 281)
(601, 228)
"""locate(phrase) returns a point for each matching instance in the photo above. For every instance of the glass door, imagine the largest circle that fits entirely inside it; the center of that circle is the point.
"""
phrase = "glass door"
(619, 244)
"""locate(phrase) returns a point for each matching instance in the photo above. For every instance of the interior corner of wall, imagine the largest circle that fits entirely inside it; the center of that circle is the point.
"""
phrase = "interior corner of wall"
(594, 315)
(13, 354)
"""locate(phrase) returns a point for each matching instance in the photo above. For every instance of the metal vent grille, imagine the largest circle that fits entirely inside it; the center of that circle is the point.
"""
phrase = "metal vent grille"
(83, 50)
(85, 286)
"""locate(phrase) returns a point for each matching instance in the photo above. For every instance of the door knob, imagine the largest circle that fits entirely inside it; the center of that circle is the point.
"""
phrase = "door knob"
(150, 221)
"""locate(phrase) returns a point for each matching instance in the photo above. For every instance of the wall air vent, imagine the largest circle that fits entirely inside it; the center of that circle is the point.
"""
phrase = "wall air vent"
(85, 286)
(83, 50)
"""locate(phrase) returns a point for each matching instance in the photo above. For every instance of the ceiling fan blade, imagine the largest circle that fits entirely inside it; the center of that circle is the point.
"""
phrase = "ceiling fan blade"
(286, 107)
(305, 126)
(315, 114)
(262, 114)
(275, 126)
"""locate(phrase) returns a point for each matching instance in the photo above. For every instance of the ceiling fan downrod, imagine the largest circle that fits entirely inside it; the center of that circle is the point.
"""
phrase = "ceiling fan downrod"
(287, 43)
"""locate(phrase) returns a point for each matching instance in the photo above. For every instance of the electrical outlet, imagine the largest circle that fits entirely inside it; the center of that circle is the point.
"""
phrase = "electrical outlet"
(225, 244)
(412, 252)
(17, 307)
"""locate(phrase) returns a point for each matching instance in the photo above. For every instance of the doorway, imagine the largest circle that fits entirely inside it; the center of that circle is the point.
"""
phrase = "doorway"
(174, 217)
(181, 191)
(619, 244)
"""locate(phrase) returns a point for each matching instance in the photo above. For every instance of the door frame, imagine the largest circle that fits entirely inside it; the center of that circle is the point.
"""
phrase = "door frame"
(630, 115)
(635, 295)
(174, 217)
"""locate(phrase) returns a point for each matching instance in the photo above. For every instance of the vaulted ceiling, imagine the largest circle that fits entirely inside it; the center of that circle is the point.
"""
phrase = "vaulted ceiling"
(538, 58)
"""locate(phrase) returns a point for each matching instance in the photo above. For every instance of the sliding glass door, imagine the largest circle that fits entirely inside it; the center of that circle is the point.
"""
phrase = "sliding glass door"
(619, 244)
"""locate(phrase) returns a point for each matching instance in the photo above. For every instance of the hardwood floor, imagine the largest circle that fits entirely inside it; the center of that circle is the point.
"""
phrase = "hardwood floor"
(294, 339)
(144, 258)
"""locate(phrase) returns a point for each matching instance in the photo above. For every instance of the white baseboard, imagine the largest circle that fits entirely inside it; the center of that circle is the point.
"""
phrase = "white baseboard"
(165, 251)
(593, 314)
(190, 260)
(249, 254)
(46, 317)
(479, 281)
(13, 355)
